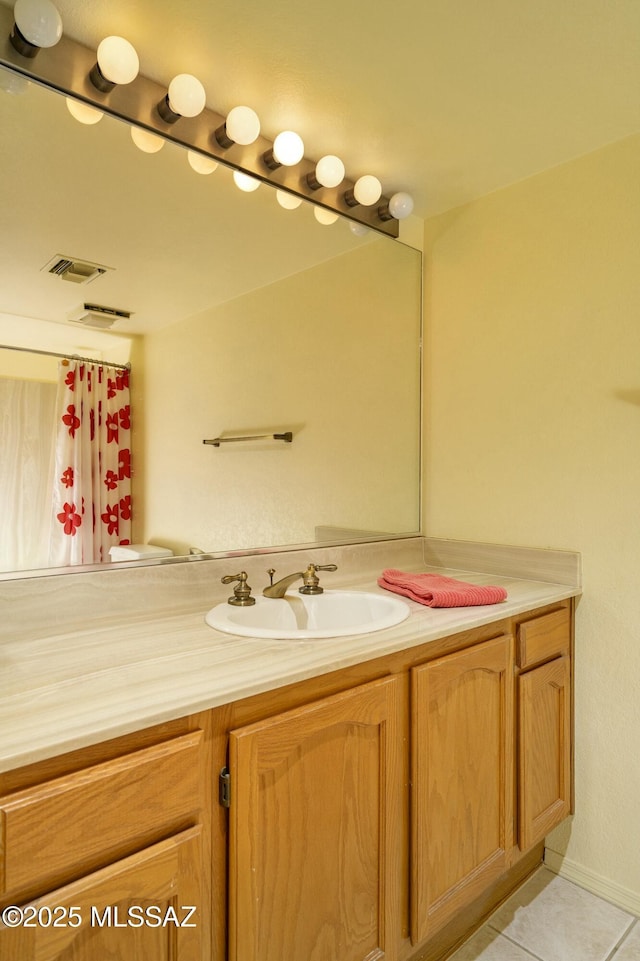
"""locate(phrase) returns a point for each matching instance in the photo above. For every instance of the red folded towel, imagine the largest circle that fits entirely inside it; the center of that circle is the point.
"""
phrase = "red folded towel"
(435, 590)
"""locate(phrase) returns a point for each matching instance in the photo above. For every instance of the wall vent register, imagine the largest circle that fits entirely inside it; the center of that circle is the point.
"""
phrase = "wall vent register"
(73, 270)
(96, 315)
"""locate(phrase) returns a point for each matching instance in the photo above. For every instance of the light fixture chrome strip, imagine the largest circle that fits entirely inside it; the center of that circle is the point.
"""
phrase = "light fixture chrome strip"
(67, 67)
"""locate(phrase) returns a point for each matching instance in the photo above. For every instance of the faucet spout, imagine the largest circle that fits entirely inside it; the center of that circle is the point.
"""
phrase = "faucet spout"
(310, 578)
(279, 588)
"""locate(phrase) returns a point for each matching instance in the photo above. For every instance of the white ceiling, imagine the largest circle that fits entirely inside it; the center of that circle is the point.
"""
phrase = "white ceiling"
(175, 242)
(448, 100)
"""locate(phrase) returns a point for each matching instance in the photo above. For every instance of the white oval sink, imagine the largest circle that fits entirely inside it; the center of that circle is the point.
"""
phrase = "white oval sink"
(331, 614)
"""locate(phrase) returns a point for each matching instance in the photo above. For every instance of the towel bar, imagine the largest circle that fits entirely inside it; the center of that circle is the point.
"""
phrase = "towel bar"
(287, 437)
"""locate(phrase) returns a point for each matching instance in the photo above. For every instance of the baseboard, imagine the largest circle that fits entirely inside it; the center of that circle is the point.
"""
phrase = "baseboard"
(604, 888)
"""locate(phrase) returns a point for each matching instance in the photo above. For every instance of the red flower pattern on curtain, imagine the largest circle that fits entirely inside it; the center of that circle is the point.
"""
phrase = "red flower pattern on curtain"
(92, 488)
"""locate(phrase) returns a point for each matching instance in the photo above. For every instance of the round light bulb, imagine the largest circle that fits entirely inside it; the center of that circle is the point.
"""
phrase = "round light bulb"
(38, 21)
(200, 163)
(186, 95)
(288, 201)
(117, 60)
(330, 171)
(288, 148)
(146, 141)
(82, 112)
(367, 190)
(325, 217)
(13, 83)
(244, 182)
(243, 125)
(357, 229)
(401, 205)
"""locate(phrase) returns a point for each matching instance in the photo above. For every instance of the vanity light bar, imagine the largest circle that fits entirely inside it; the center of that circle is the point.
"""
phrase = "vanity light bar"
(70, 68)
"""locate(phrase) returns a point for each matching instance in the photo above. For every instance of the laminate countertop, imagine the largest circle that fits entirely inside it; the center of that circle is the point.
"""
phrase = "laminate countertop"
(68, 689)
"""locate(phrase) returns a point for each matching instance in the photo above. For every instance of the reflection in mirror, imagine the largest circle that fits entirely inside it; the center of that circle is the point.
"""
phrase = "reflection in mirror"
(246, 318)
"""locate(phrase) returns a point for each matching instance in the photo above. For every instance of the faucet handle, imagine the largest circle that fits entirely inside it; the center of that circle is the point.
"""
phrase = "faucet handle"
(311, 581)
(242, 592)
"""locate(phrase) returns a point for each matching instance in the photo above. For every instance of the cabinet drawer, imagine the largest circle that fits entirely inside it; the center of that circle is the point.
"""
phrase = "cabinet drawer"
(543, 638)
(98, 916)
(73, 824)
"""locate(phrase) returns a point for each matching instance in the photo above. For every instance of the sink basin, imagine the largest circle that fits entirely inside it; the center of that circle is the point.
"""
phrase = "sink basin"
(332, 614)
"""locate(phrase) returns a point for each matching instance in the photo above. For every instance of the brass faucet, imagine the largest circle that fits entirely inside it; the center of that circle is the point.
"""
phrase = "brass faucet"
(242, 592)
(311, 581)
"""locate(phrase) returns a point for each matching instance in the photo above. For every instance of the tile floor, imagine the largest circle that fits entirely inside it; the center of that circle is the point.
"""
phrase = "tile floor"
(551, 919)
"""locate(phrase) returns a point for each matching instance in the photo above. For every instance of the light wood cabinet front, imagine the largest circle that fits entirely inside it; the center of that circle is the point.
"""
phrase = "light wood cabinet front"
(138, 909)
(372, 813)
(462, 780)
(71, 825)
(544, 765)
(316, 831)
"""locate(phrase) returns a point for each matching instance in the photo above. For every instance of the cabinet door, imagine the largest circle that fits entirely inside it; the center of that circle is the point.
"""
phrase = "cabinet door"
(462, 784)
(138, 908)
(544, 765)
(315, 831)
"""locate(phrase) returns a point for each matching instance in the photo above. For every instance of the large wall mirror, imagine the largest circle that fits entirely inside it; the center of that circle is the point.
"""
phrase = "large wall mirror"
(246, 318)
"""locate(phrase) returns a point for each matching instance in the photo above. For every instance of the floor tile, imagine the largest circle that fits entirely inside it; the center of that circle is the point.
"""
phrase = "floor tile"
(489, 945)
(629, 950)
(556, 920)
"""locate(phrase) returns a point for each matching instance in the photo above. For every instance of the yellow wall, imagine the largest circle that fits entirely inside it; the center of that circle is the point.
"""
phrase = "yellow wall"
(24, 366)
(532, 432)
(303, 354)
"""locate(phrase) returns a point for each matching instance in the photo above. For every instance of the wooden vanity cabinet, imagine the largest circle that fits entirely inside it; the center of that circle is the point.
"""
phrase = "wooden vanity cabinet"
(544, 690)
(491, 762)
(351, 843)
(315, 830)
(376, 813)
(462, 777)
(107, 853)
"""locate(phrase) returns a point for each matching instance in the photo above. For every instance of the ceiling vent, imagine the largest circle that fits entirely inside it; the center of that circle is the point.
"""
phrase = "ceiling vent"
(95, 315)
(75, 271)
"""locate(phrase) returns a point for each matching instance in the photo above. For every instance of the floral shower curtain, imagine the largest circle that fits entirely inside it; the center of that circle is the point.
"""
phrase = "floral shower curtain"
(92, 480)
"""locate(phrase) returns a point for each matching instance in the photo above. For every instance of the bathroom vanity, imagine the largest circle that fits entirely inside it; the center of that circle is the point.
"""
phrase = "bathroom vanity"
(347, 799)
